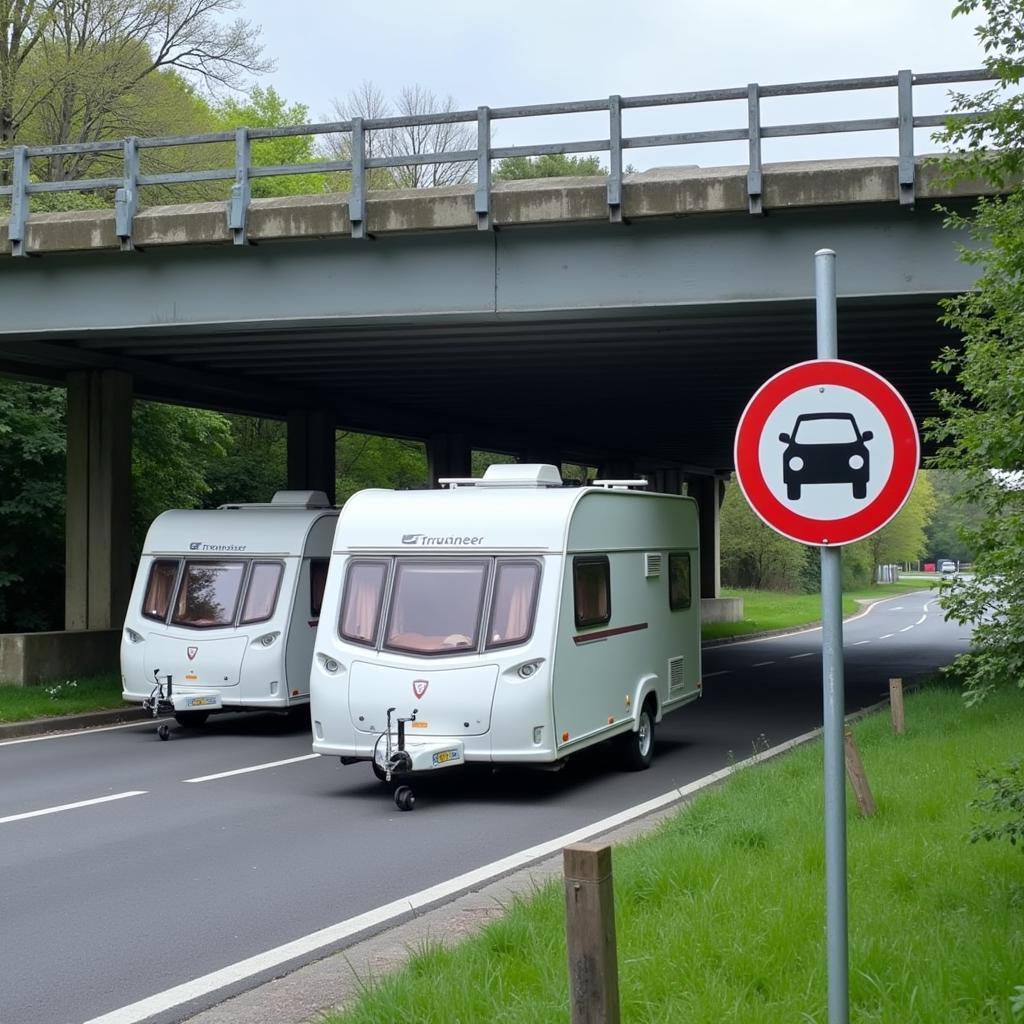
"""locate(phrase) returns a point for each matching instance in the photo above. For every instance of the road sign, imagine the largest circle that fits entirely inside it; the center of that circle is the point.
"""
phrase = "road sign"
(826, 452)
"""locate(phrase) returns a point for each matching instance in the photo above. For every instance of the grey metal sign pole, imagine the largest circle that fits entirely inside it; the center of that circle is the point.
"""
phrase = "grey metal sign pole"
(833, 696)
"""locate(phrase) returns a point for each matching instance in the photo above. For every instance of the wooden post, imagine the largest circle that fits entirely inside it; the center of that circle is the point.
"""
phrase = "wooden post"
(590, 934)
(896, 705)
(858, 778)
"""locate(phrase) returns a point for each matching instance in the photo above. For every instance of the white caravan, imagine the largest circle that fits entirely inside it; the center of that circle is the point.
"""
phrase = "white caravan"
(226, 603)
(505, 620)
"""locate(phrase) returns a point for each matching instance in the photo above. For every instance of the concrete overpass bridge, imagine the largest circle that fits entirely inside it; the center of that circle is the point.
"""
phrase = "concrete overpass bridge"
(622, 322)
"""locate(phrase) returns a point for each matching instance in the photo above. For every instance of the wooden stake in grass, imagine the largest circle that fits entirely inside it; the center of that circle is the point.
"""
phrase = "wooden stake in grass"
(590, 934)
(896, 705)
(858, 778)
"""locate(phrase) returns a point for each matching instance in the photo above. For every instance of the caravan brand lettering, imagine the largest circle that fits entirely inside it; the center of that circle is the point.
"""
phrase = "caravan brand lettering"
(422, 540)
(198, 545)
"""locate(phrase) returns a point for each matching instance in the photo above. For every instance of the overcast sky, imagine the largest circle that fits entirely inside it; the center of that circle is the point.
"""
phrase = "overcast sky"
(546, 51)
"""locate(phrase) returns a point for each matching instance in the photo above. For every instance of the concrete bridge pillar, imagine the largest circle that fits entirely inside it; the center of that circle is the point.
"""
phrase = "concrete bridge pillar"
(448, 455)
(709, 492)
(98, 565)
(618, 469)
(311, 451)
(665, 481)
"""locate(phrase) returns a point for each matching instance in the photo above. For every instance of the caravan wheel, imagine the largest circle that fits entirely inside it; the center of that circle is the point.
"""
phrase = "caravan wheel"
(191, 719)
(638, 746)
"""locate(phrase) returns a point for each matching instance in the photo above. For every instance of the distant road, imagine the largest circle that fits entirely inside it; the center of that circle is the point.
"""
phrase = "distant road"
(132, 866)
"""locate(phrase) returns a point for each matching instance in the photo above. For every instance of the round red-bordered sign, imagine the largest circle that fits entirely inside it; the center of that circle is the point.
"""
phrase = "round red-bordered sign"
(865, 414)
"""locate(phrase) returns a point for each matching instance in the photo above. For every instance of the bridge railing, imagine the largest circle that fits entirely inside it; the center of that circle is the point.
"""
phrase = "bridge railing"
(15, 162)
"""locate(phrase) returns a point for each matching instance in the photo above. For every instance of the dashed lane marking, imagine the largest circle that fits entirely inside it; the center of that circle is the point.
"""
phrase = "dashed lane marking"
(859, 642)
(886, 637)
(72, 807)
(251, 768)
(806, 654)
(761, 664)
(905, 628)
(723, 672)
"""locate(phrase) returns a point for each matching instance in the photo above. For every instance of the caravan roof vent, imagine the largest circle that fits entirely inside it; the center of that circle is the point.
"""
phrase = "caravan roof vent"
(509, 474)
(521, 475)
(300, 499)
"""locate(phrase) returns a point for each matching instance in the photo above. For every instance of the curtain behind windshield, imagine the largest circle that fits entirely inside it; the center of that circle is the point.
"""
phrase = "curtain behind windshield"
(261, 595)
(157, 600)
(515, 592)
(364, 589)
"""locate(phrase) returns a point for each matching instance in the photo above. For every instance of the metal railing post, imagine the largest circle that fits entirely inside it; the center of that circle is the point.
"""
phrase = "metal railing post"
(905, 92)
(615, 159)
(357, 197)
(17, 223)
(482, 197)
(754, 175)
(238, 204)
(126, 198)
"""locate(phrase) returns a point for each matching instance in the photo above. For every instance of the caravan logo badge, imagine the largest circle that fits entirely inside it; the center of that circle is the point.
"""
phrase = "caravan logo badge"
(198, 545)
(192, 652)
(422, 540)
(419, 687)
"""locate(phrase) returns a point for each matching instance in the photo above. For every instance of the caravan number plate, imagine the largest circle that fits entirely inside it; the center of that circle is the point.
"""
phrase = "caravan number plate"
(202, 702)
(446, 756)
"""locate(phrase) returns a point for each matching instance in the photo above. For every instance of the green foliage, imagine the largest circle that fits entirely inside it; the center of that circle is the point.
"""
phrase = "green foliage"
(954, 514)
(254, 463)
(1001, 795)
(552, 165)
(31, 506)
(173, 451)
(753, 554)
(980, 432)
(365, 460)
(265, 108)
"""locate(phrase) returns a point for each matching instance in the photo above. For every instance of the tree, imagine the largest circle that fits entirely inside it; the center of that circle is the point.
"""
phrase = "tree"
(368, 102)
(552, 165)
(753, 554)
(264, 108)
(73, 71)
(953, 514)
(366, 460)
(31, 506)
(980, 432)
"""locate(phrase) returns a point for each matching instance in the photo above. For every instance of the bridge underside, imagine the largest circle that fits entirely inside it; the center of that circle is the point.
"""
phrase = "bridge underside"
(661, 387)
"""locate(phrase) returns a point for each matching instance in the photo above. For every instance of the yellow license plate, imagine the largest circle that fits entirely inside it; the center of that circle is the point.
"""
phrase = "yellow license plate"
(446, 756)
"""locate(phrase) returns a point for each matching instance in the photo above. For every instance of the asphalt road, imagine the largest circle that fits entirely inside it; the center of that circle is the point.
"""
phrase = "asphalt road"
(163, 875)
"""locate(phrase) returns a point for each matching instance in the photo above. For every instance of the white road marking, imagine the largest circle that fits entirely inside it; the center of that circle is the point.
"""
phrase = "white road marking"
(806, 654)
(896, 608)
(167, 1000)
(251, 768)
(709, 675)
(920, 620)
(74, 732)
(71, 807)
(905, 628)
(859, 642)
(761, 664)
(886, 637)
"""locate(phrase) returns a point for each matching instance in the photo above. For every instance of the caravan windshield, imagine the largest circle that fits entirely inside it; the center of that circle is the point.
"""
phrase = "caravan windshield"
(435, 605)
(208, 594)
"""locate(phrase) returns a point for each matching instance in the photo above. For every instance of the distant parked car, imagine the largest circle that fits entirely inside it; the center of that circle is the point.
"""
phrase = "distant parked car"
(947, 568)
(826, 448)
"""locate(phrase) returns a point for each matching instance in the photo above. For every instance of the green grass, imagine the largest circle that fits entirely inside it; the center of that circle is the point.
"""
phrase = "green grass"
(21, 703)
(720, 914)
(769, 609)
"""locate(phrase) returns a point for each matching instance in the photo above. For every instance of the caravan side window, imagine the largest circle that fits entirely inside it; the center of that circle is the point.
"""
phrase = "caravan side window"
(592, 589)
(514, 603)
(317, 585)
(360, 604)
(261, 595)
(162, 574)
(679, 580)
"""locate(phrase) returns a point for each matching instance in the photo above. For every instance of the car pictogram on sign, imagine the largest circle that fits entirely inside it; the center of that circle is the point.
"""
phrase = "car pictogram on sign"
(826, 448)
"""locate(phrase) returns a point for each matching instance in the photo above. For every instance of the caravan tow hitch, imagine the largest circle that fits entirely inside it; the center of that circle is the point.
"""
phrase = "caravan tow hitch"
(160, 702)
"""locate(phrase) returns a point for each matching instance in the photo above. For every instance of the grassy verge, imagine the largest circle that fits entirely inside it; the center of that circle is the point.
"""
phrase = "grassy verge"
(720, 914)
(769, 609)
(66, 697)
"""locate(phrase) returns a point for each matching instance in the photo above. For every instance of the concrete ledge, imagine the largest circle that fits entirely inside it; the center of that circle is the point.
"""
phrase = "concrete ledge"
(30, 658)
(662, 192)
(720, 609)
(72, 723)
